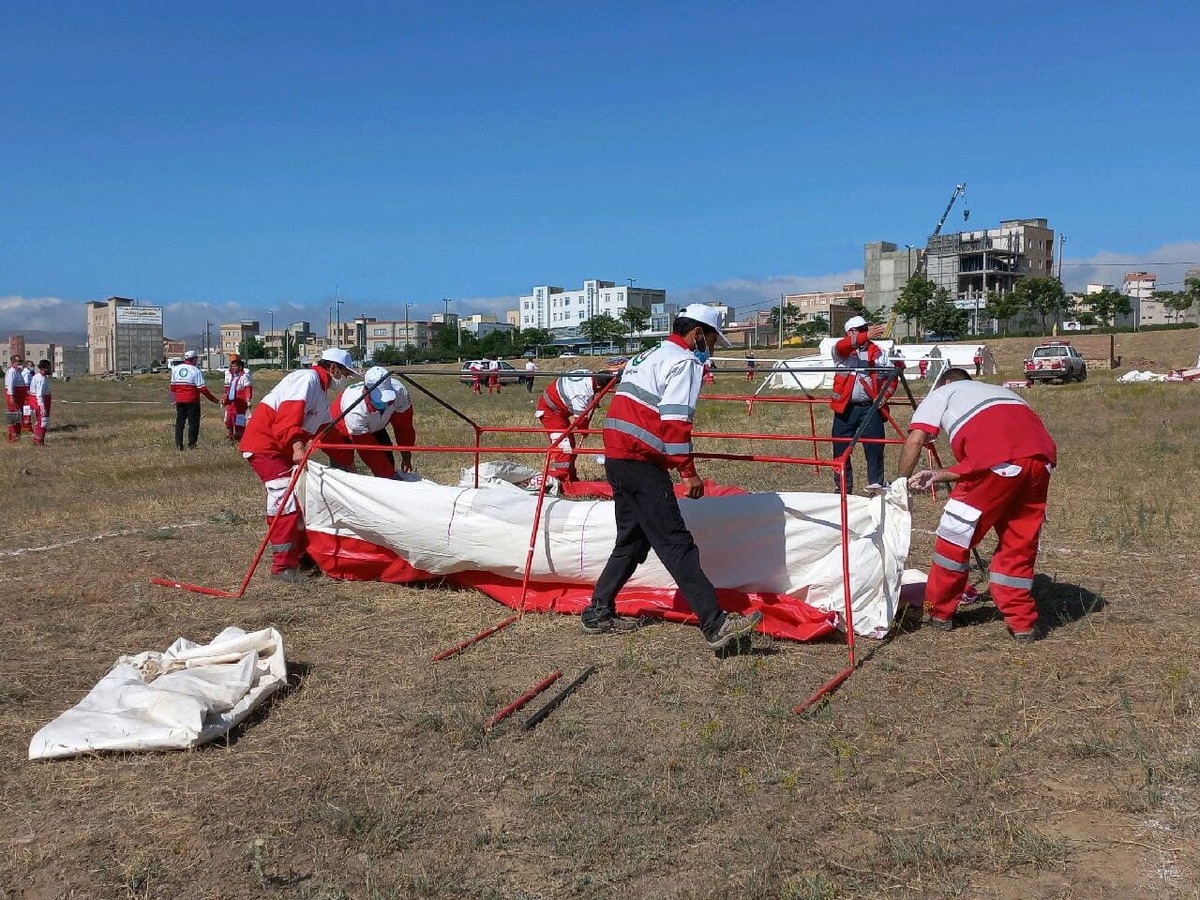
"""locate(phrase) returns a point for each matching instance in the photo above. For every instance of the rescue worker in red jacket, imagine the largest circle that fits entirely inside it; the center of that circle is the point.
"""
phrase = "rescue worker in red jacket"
(283, 425)
(187, 387)
(39, 402)
(239, 391)
(1001, 478)
(365, 425)
(563, 403)
(854, 392)
(647, 433)
(16, 392)
(493, 369)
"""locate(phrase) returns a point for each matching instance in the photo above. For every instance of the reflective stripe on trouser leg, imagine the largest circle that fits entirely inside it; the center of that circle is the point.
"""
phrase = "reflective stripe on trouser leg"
(947, 578)
(1015, 559)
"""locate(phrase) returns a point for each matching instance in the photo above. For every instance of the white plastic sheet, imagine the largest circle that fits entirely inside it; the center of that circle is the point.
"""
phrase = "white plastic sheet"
(183, 697)
(783, 543)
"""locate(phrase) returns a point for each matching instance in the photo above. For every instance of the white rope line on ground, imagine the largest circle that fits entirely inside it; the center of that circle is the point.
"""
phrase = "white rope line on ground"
(99, 537)
(117, 402)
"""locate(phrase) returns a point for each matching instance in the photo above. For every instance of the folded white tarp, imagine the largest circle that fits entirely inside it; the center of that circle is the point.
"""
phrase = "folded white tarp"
(771, 543)
(181, 698)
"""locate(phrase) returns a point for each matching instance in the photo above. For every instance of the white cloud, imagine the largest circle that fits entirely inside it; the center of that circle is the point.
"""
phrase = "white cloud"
(1169, 262)
(21, 314)
(748, 294)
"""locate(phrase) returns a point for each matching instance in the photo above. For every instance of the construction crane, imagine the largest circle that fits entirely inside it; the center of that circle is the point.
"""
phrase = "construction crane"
(959, 190)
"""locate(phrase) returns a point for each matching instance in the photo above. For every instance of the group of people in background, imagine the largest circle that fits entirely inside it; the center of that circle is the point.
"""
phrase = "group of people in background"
(27, 398)
(485, 369)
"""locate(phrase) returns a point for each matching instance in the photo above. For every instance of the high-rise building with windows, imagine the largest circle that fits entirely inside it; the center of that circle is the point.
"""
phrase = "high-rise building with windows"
(123, 336)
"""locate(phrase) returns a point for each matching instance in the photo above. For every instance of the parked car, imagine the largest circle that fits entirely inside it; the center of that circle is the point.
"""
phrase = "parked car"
(508, 375)
(1056, 361)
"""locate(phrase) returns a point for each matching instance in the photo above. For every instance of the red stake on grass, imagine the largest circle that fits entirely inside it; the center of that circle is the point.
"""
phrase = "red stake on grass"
(463, 645)
(497, 717)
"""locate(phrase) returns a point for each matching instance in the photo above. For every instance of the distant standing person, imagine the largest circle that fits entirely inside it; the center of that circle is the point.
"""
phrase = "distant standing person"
(1001, 479)
(493, 369)
(239, 391)
(978, 364)
(922, 367)
(27, 409)
(854, 393)
(365, 425)
(647, 433)
(39, 402)
(751, 363)
(16, 394)
(277, 436)
(187, 387)
(530, 368)
(475, 367)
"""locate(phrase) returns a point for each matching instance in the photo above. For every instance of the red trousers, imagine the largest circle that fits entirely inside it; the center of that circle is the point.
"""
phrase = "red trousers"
(562, 454)
(41, 419)
(1014, 505)
(16, 406)
(381, 462)
(494, 382)
(287, 537)
(475, 383)
(233, 409)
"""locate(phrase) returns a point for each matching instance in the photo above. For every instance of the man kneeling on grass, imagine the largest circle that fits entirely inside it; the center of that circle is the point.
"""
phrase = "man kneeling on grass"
(648, 432)
(1005, 456)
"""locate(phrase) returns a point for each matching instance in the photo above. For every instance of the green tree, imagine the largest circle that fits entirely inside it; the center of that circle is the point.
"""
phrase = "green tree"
(815, 329)
(602, 329)
(534, 338)
(252, 348)
(1042, 295)
(873, 316)
(914, 300)
(358, 354)
(1003, 307)
(388, 355)
(1178, 302)
(791, 321)
(1109, 303)
(635, 319)
(943, 317)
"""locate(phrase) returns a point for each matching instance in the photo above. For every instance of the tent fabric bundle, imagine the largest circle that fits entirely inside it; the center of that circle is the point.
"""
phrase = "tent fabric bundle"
(183, 697)
(790, 374)
(778, 552)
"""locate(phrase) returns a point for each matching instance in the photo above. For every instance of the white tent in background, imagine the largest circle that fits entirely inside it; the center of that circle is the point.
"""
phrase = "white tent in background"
(790, 374)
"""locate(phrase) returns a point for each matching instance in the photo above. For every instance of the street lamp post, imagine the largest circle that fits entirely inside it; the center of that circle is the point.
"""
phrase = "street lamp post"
(271, 333)
(407, 306)
(457, 326)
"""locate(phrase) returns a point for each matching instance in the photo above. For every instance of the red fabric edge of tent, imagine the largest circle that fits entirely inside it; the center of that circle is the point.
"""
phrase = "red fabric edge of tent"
(354, 559)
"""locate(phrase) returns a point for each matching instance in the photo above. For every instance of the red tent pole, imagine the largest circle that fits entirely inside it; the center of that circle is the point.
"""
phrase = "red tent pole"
(499, 716)
(474, 639)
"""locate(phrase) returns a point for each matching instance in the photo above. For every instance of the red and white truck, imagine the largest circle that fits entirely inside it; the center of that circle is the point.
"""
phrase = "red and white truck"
(1055, 361)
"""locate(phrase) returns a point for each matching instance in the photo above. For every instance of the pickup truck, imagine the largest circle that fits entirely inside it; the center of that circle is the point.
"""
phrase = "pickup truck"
(1055, 361)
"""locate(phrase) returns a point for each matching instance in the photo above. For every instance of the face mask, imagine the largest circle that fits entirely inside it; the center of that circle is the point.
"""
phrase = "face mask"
(701, 355)
(337, 380)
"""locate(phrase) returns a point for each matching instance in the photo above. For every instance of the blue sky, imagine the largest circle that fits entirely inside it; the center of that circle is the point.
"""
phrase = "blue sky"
(225, 159)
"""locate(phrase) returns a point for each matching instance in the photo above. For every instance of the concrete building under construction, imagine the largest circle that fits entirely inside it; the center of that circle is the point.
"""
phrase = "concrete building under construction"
(123, 336)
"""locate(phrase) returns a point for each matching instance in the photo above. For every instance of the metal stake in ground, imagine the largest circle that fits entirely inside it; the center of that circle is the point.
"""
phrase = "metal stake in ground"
(558, 698)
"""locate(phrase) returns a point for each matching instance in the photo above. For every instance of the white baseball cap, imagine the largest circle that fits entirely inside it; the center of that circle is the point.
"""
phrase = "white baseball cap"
(855, 322)
(189, 354)
(706, 315)
(379, 380)
(341, 357)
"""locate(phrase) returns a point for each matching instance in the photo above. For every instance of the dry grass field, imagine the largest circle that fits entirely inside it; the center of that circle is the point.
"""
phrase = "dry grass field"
(949, 765)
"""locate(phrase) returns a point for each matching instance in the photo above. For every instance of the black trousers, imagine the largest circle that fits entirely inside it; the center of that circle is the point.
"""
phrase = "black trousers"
(844, 426)
(189, 414)
(648, 518)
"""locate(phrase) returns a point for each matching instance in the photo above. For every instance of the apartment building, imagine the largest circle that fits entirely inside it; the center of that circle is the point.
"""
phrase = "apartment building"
(234, 334)
(821, 304)
(123, 336)
(1139, 287)
(561, 311)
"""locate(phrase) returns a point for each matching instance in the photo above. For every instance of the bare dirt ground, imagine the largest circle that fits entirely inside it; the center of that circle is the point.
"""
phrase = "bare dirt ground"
(949, 765)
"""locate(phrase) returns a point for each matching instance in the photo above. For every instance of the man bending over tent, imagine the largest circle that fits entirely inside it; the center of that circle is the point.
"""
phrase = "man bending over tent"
(647, 433)
(365, 426)
(561, 405)
(1002, 475)
(277, 436)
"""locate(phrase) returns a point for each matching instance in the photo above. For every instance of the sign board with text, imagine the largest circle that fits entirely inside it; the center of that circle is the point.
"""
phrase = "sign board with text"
(139, 315)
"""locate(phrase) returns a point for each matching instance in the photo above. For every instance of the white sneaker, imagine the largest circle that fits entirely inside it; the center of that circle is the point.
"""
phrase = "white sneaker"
(875, 489)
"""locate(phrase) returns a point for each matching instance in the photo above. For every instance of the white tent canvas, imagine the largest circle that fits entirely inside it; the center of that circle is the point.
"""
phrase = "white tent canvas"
(794, 374)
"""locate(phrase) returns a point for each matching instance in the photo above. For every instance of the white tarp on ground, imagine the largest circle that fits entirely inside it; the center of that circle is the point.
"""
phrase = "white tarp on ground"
(784, 375)
(784, 543)
(181, 698)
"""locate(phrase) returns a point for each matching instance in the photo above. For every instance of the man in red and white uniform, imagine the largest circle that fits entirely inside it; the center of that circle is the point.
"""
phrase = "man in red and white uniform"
(365, 426)
(854, 393)
(239, 391)
(284, 423)
(39, 402)
(493, 367)
(647, 433)
(475, 367)
(27, 409)
(187, 387)
(16, 392)
(1002, 475)
(563, 403)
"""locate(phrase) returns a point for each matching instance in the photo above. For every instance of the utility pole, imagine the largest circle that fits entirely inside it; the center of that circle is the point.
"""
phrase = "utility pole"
(407, 342)
(781, 321)
(207, 358)
(337, 295)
